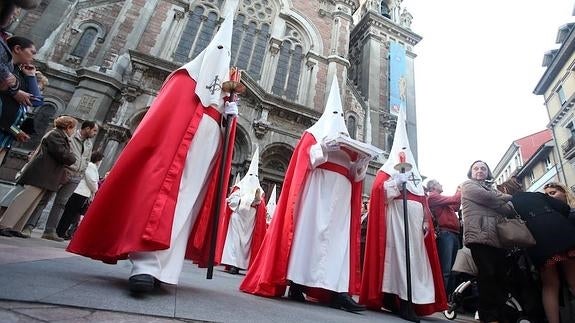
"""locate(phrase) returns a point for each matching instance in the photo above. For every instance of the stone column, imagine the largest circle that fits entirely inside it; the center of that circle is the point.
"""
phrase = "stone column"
(261, 125)
(268, 72)
(171, 38)
(308, 82)
(115, 138)
(389, 125)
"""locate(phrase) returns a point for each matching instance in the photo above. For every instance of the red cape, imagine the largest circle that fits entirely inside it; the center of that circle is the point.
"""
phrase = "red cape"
(373, 269)
(257, 234)
(267, 275)
(134, 211)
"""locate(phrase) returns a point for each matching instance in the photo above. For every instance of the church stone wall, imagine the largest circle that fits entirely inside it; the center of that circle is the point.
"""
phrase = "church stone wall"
(123, 71)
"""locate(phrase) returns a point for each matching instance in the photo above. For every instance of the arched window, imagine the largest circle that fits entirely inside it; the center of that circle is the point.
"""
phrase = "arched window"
(385, 9)
(351, 126)
(85, 43)
(197, 34)
(206, 33)
(249, 46)
(276, 164)
(288, 70)
(252, 32)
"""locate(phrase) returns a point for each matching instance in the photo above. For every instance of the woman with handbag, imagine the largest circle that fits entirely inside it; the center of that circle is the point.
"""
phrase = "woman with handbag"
(483, 207)
(42, 174)
(547, 219)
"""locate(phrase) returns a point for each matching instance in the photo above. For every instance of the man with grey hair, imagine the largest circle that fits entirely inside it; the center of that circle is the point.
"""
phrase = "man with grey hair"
(443, 209)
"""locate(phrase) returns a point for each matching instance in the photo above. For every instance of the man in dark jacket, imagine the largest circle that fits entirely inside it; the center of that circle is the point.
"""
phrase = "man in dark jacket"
(448, 228)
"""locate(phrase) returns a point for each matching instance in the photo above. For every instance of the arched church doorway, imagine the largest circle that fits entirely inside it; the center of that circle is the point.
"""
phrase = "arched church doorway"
(274, 160)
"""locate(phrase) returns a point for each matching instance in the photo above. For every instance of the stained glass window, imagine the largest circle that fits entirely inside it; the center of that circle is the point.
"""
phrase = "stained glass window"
(85, 43)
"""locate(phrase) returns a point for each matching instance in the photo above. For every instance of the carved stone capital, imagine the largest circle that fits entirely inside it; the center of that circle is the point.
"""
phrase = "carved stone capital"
(117, 133)
(178, 15)
(138, 71)
(131, 92)
(389, 124)
(261, 127)
(275, 46)
(310, 63)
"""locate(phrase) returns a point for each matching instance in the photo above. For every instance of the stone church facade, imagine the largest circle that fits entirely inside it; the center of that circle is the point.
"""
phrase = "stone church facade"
(106, 61)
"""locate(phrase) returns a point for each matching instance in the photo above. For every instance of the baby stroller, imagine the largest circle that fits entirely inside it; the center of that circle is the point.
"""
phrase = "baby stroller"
(465, 294)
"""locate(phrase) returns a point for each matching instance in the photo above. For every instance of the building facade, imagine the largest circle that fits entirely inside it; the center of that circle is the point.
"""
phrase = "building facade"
(531, 159)
(107, 59)
(557, 86)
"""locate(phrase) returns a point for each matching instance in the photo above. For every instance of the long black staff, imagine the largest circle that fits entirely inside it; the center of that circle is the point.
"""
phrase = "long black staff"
(405, 167)
(233, 86)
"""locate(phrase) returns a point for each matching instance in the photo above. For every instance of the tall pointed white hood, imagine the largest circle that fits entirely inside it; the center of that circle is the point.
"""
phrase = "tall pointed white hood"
(271, 206)
(250, 182)
(401, 146)
(212, 66)
(237, 179)
(331, 123)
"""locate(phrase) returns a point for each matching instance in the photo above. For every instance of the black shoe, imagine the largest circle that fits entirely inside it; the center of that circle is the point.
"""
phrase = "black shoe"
(234, 270)
(406, 312)
(142, 283)
(295, 293)
(390, 303)
(5, 232)
(345, 302)
(18, 234)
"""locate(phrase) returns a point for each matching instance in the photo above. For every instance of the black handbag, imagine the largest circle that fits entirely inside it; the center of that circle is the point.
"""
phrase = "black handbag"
(28, 126)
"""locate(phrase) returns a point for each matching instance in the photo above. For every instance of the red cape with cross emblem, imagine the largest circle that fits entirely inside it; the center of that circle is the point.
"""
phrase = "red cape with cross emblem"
(267, 275)
(134, 209)
(373, 268)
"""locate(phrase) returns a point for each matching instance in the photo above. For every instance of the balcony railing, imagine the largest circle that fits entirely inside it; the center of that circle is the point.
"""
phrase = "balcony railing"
(568, 148)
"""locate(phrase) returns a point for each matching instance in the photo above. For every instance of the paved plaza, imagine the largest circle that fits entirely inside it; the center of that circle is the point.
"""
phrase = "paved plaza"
(41, 282)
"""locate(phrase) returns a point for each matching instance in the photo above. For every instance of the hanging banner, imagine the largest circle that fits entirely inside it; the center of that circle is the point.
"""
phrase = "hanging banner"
(397, 78)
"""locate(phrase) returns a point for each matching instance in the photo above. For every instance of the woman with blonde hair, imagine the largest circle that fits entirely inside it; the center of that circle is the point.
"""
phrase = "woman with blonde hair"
(560, 191)
(43, 173)
(563, 193)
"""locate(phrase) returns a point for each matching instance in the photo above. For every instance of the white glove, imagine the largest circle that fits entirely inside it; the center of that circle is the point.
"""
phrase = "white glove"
(330, 145)
(317, 155)
(425, 228)
(231, 109)
(400, 178)
(359, 168)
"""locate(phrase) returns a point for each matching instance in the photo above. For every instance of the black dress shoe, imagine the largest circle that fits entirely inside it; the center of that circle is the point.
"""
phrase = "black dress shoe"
(18, 234)
(390, 303)
(295, 293)
(345, 302)
(5, 232)
(234, 270)
(406, 312)
(142, 283)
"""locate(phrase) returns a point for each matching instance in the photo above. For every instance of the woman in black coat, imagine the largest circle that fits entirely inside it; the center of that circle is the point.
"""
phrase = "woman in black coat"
(547, 219)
